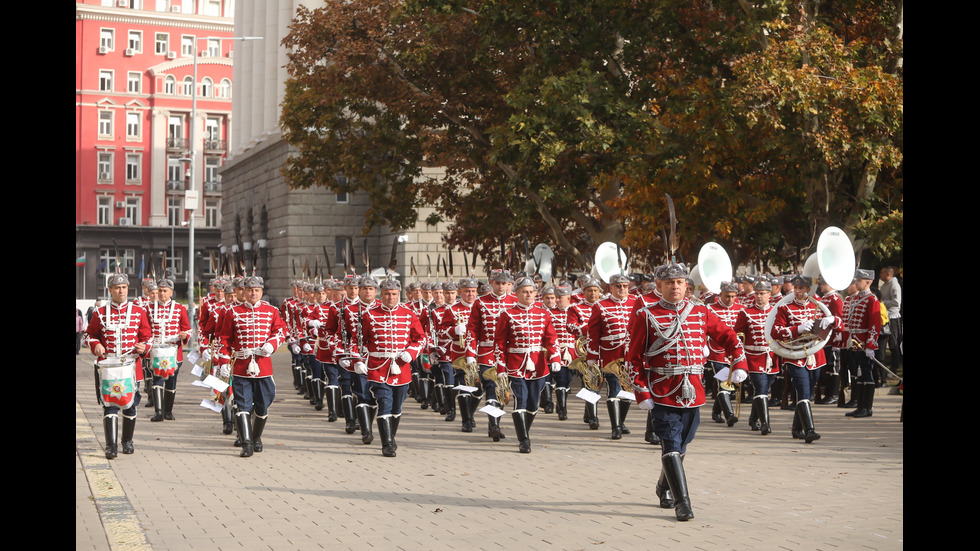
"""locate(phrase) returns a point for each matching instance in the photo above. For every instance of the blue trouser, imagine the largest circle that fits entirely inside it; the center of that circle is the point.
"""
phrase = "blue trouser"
(331, 372)
(675, 427)
(489, 385)
(527, 392)
(314, 369)
(389, 398)
(612, 385)
(804, 380)
(446, 373)
(762, 382)
(254, 395)
(563, 378)
(361, 388)
(344, 379)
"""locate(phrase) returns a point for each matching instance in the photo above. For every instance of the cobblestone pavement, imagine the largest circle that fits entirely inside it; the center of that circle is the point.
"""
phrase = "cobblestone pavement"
(316, 487)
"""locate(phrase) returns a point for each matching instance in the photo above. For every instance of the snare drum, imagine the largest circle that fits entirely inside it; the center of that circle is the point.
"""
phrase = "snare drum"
(117, 382)
(164, 360)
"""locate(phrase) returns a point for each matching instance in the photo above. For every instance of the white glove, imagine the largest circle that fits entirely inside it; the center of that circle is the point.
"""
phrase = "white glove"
(225, 371)
(345, 363)
(739, 375)
(405, 357)
(555, 367)
(470, 361)
(206, 355)
(316, 324)
(502, 376)
(646, 404)
(268, 349)
(360, 368)
(592, 364)
(826, 322)
(460, 330)
(395, 370)
(806, 326)
(869, 353)
(295, 349)
(307, 348)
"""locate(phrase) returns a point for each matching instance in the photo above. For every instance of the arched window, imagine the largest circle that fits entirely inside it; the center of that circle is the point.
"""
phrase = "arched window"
(188, 88)
(207, 87)
(170, 85)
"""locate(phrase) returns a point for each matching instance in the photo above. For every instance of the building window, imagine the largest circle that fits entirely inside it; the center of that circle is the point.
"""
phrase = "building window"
(133, 168)
(162, 43)
(103, 210)
(109, 261)
(175, 174)
(175, 262)
(105, 167)
(133, 81)
(105, 123)
(207, 88)
(105, 80)
(214, 48)
(170, 85)
(211, 212)
(212, 7)
(188, 87)
(187, 45)
(133, 210)
(175, 132)
(163, 5)
(211, 166)
(175, 212)
(136, 41)
(341, 244)
(342, 198)
(133, 125)
(107, 39)
(224, 89)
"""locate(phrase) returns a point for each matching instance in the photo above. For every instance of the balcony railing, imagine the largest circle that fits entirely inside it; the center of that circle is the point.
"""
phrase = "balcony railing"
(176, 185)
(177, 143)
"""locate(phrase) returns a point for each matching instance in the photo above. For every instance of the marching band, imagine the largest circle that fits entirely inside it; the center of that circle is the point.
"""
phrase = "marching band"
(359, 351)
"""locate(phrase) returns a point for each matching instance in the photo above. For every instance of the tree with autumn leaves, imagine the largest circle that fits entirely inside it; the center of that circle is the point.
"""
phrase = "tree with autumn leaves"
(567, 122)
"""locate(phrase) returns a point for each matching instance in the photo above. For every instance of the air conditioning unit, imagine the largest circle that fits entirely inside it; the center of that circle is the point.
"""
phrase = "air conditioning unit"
(125, 222)
(120, 204)
(171, 55)
(130, 52)
(103, 50)
(204, 53)
(175, 9)
(103, 176)
(231, 53)
(122, 3)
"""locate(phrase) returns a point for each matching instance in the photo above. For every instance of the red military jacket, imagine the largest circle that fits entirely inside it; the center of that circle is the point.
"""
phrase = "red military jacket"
(326, 336)
(167, 320)
(835, 304)
(458, 313)
(119, 328)
(862, 319)
(608, 330)
(352, 315)
(482, 326)
(388, 333)
(716, 352)
(666, 351)
(244, 328)
(751, 322)
(525, 342)
(566, 341)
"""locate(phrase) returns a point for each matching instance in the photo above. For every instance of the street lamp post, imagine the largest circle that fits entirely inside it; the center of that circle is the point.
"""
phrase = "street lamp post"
(191, 197)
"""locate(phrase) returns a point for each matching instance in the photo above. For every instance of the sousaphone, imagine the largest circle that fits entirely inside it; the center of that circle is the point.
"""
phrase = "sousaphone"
(714, 266)
(544, 259)
(610, 260)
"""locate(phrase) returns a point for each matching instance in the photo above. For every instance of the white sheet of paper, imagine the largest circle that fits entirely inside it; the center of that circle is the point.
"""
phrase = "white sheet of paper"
(198, 382)
(213, 406)
(493, 410)
(216, 383)
(588, 395)
(193, 356)
(623, 395)
(197, 370)
(464, 388)
(722, 375)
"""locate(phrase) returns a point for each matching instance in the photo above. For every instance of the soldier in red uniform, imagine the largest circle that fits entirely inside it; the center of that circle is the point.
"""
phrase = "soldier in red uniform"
(792, 320)
(367, 407)
(579, 315)
(481, 328)
(453, 331)
(525, 346)
(727, 308)
(830, 374)
(118, 329)
(250, 332)
(606, 348)
(566, 345)
(666, 353)
(862, 327)
(762, 363)
(393, 337)
(171, 326)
